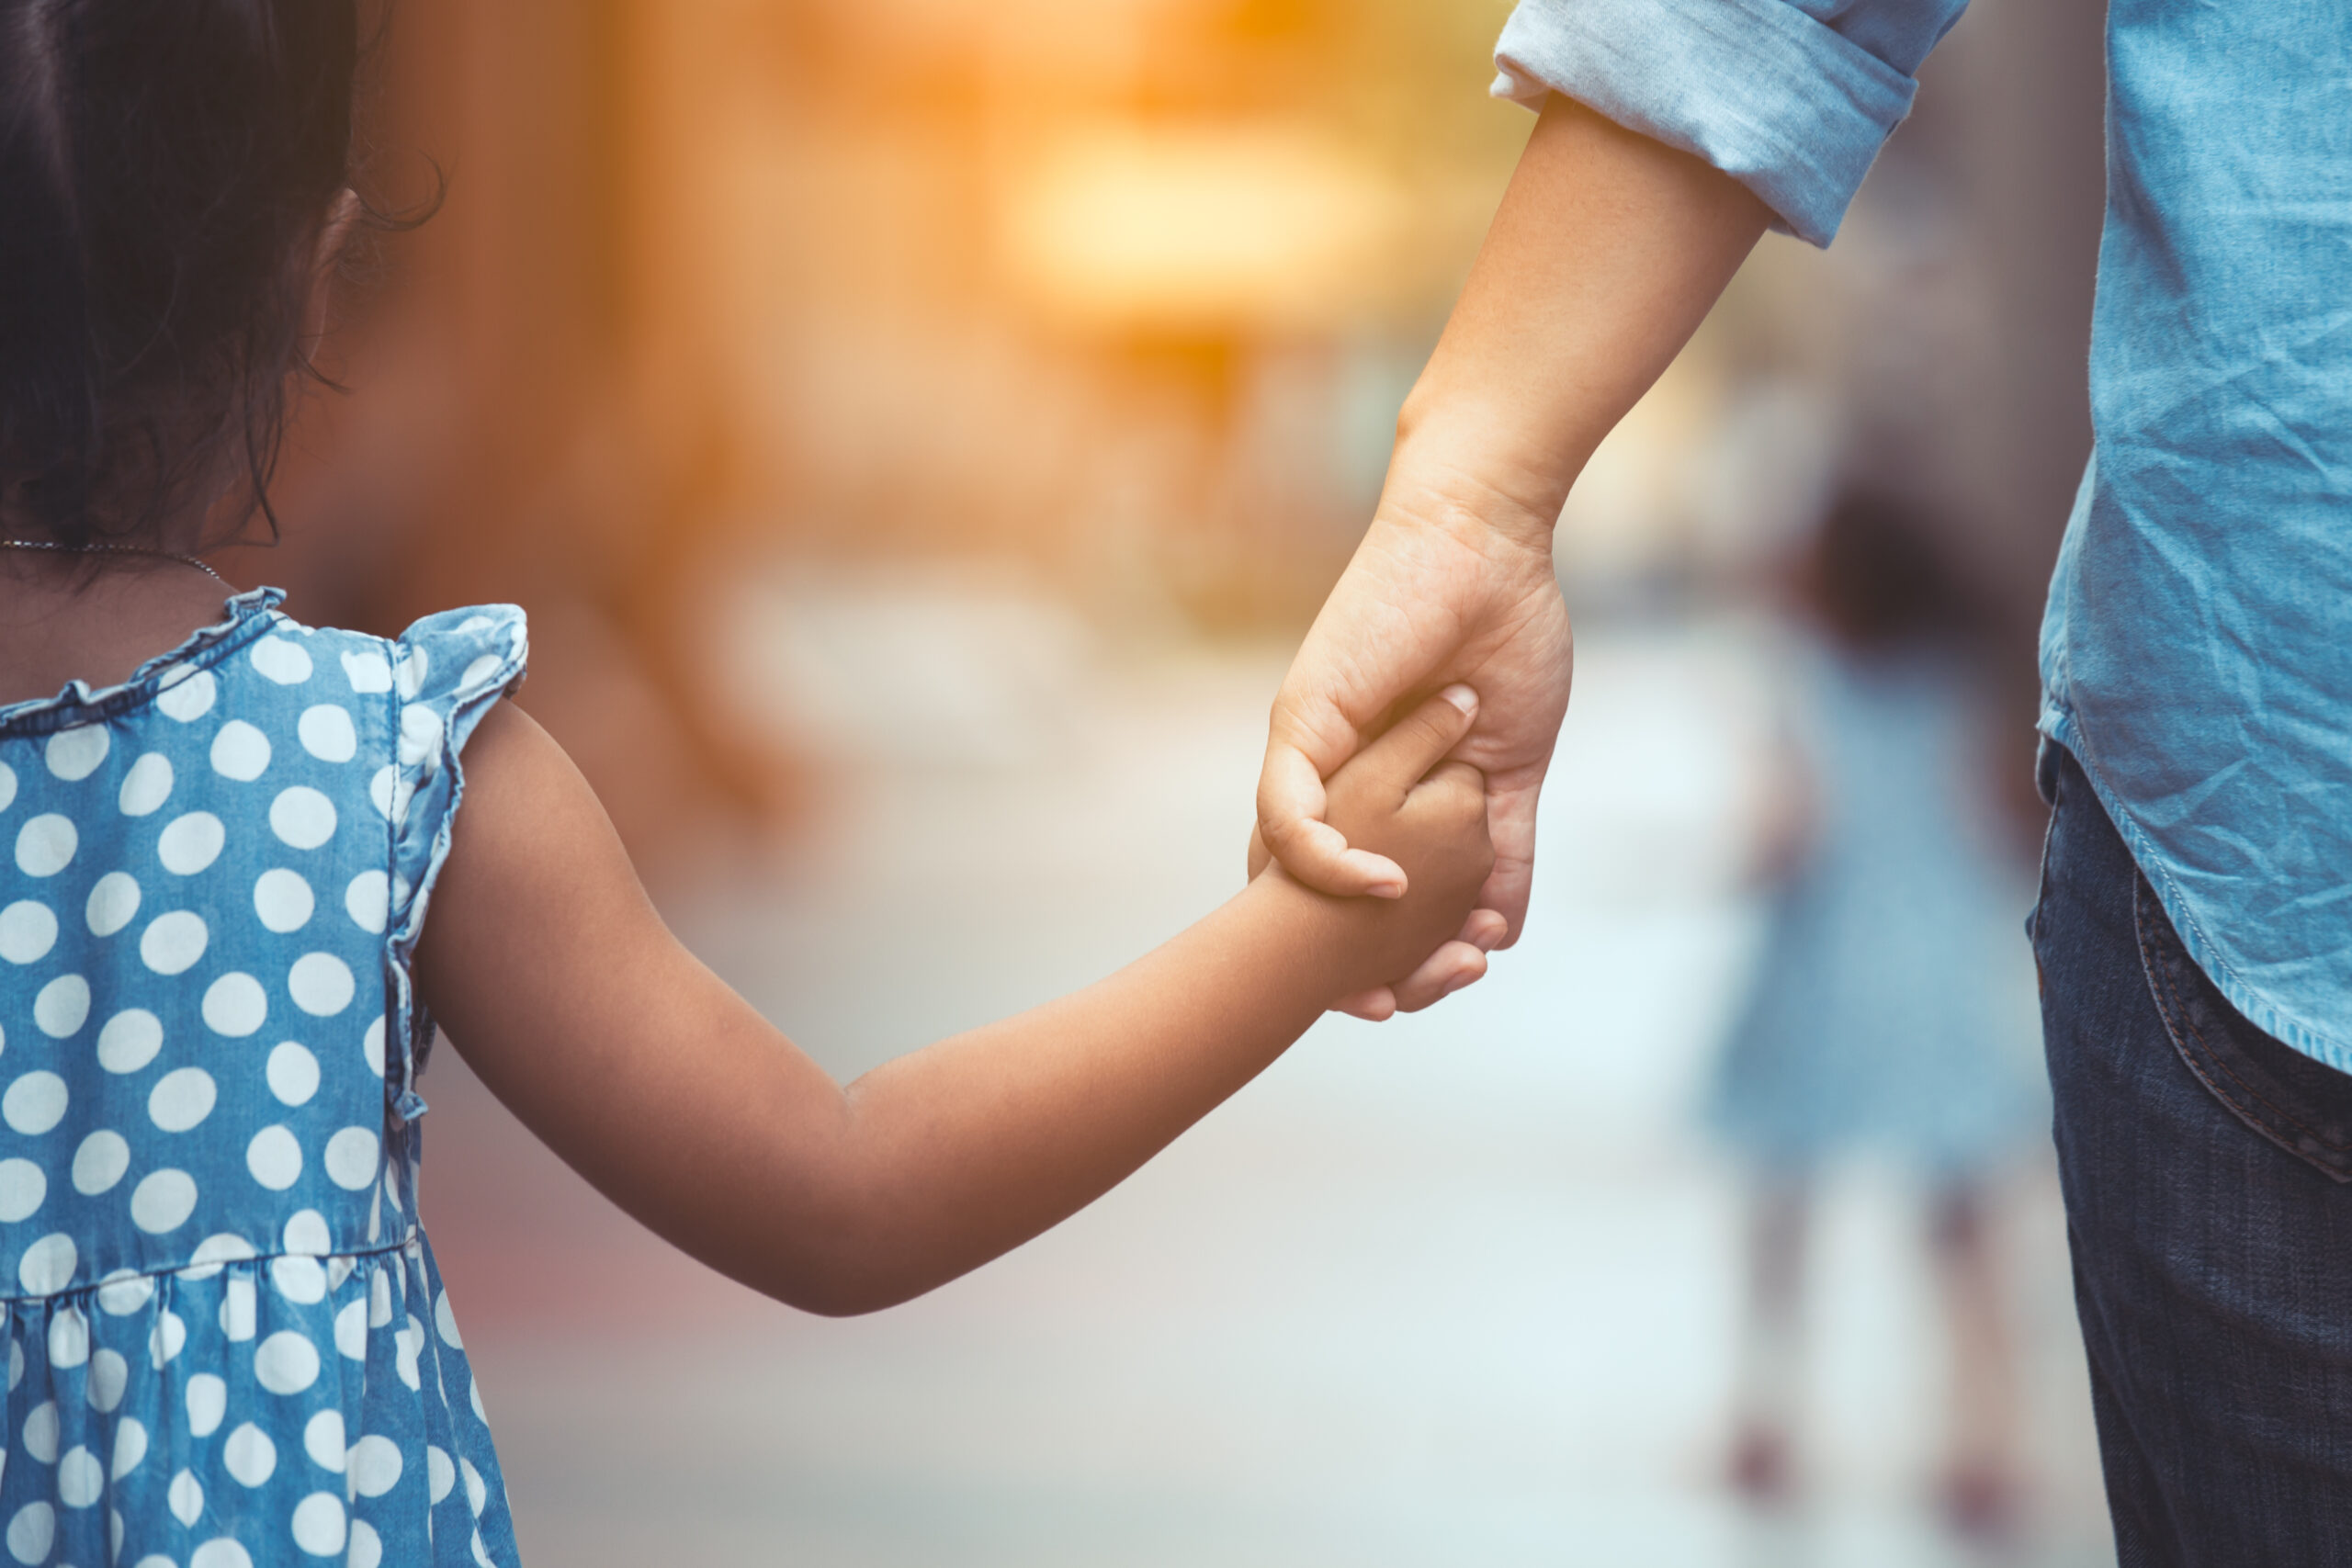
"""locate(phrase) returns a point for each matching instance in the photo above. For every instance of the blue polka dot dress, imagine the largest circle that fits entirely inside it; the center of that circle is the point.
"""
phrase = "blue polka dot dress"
(228, 1343)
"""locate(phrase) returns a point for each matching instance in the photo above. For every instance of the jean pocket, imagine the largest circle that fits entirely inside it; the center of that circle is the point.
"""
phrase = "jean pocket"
(2302, 1106)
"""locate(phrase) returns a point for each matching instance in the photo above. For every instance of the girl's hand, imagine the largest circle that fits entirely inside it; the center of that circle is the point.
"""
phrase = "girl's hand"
(1401, 798)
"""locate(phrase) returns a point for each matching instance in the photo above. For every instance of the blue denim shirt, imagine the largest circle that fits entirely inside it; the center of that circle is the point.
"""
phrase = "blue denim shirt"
(2197, 655)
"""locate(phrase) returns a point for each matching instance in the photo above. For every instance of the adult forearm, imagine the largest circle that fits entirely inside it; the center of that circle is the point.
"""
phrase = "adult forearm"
(1607, 252)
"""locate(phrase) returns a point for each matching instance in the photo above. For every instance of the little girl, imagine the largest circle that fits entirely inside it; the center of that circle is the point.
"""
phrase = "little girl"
(227, 1339)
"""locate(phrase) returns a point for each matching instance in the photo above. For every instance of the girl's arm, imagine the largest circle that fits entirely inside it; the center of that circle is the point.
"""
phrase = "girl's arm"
(557, 981)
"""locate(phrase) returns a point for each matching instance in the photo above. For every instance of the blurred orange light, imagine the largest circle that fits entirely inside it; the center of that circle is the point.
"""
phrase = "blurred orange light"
(1228, 228)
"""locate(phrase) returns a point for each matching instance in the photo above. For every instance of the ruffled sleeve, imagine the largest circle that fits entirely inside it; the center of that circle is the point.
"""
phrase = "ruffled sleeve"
(447, 671)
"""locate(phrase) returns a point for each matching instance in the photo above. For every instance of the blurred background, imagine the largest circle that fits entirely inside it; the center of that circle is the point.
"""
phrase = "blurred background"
(919, 430)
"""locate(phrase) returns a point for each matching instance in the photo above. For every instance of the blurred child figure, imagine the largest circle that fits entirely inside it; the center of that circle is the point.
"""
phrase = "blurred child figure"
(1888, 1012)
(222, 831)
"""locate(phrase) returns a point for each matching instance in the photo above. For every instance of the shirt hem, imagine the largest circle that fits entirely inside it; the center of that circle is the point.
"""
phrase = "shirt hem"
(2060, 722)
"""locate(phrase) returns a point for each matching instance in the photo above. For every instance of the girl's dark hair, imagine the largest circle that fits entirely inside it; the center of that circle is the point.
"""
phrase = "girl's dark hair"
(1877, 580)
(166, 167)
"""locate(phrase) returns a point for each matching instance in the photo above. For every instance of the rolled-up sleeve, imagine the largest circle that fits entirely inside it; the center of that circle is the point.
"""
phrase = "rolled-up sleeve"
(1791, 97)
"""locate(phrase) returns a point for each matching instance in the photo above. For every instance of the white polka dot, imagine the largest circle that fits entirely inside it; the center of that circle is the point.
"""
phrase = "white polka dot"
(16, 1376)
(293, 1074)
(302, 817)
(371, 1047)
(413, 666)
(168, 1338)
(380, 1300)
(81, 1478)
(323, 1440)
(69, 1337)
(40, 1433)
(283, 900)
(182, 1100)
(240, 1309)
(109, 1377)
(48, 1265)
(446, 1322)
(163, 1202)
(191, 843)
(327, 733)
(235, 1005)
(123, 1293)
(240, 751)
(62, 1007)
(302, 1280)
(146, 786)
(28, 930)
(102, 1161)
(368, 901)
(284, 662)
(208, 1402)
(23, 1188)
(45, 845)
(351, 1332)
(34, 1103)
(31, 1533)
(185, 1498)
(379, 789)
(481, 672)
(421, 732)
(174, 943)
(286, 1363)
(351, 1158)
(224, 1552)
(406, 1346)
(113, 903)
(130, 1446)
(129, 1041)
(188, 693)
(321, 983)
(218, 1249)
(274, 1157)
(307, 1233)
(440, 1475)
(367, 1547)
(8, 786)
(319, 1524)
(476, 1493)
(370, 675)
(74, 754)
(374, 1466)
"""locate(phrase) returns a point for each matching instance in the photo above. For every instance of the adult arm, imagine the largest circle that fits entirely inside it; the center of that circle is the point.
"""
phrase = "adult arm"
(1607, 252)
(1709, 118)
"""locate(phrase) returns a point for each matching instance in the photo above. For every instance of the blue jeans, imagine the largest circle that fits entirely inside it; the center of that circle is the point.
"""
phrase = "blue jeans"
(2205, 1166)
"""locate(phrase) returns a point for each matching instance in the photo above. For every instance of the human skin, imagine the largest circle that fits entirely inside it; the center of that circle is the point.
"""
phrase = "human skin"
(557, 980)
(1607, 252)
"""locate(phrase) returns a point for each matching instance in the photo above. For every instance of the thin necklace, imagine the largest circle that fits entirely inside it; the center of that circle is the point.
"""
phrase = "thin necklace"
(118, 550)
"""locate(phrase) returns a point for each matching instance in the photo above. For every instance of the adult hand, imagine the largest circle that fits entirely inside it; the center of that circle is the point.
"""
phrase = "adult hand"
(1607, 251)
(1447, 586)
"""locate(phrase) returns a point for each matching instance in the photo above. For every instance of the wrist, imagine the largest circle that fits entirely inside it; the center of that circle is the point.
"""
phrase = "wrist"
(1462, 468)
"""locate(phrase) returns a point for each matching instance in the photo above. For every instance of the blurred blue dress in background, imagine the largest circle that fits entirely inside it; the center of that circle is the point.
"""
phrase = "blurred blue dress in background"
(1891, 1009)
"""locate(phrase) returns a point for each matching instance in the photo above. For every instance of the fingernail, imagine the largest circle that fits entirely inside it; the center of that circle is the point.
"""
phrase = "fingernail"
(1387, 890)
(1460, 982)
(1487, 941)
(1461, 696)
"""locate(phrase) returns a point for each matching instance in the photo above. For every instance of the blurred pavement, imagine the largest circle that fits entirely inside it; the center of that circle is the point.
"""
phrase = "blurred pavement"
(1457, 1290)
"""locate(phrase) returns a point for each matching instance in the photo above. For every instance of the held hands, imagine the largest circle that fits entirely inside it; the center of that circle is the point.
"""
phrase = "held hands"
(1400, 799)
(1451, 582)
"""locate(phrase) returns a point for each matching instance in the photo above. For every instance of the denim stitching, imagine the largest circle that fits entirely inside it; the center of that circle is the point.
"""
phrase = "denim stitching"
(2157, 968)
